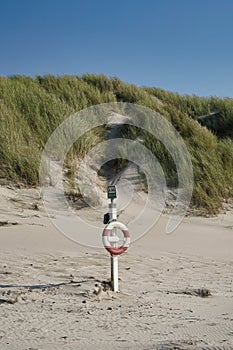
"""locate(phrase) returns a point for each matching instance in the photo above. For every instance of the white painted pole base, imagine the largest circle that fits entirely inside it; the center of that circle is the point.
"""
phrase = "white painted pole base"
(114, 258)
(114, 273)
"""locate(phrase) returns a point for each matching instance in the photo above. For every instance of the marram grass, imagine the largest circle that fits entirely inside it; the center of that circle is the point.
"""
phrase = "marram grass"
(32, 108)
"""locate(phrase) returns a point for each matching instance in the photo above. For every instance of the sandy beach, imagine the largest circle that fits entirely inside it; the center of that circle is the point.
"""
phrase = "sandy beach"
(176, 290)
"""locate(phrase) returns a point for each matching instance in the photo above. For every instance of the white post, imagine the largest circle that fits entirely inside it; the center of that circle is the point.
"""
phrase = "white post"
(114, 273)
(112, 210)
(114, 258)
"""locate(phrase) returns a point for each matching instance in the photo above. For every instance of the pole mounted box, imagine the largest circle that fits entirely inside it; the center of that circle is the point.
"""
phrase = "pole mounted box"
(112, 192)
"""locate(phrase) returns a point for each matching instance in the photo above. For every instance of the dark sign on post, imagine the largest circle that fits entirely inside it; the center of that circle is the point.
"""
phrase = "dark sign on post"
(112, 192)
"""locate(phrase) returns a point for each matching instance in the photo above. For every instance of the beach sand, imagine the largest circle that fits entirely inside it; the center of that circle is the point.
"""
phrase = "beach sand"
(176, 291)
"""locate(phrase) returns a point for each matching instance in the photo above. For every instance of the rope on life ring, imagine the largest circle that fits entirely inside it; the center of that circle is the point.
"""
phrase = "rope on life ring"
(106, 234)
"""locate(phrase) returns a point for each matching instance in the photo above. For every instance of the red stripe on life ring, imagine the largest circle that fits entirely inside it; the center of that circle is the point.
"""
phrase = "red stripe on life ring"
(126, 233)
(106, 232)
(116, 251)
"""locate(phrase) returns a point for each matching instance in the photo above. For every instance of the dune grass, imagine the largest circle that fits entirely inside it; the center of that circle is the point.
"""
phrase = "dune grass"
(32, 108)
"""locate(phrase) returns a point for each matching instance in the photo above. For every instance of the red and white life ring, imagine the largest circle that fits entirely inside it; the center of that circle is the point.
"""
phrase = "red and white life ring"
(106, 235)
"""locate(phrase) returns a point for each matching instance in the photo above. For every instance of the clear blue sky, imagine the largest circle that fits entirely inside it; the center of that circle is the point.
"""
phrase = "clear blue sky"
(179, 45)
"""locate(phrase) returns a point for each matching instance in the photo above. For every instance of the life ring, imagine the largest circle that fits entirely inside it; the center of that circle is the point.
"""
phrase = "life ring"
(106, 235)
